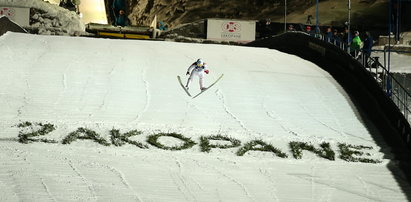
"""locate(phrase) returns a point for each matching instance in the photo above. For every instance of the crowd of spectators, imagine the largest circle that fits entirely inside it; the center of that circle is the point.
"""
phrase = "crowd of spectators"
(352, 41)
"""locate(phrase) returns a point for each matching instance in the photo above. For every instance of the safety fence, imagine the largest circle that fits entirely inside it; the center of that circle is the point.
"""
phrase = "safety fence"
(391, 86)
(385, 79)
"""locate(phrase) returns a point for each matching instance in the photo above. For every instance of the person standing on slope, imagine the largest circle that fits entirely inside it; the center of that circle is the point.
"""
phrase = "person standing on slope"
(355, 44)
(198, 68)
(117, 6)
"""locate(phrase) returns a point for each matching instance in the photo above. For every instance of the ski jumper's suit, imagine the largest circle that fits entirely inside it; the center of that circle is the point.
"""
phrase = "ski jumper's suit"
(197, 71)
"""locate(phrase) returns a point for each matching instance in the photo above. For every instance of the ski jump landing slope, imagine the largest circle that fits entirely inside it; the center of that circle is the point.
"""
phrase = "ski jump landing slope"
(84, 86)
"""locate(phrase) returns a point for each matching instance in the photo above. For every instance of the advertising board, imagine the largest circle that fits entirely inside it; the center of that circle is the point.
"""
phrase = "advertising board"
(231, 30)
(21, 16)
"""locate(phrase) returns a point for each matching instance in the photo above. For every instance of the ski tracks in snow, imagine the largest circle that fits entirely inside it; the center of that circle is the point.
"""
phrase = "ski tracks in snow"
(220, 96)
(183, 181)
(147, 94)
(273, 115)
(64, 81)
(85, 181)
(120, 175)
(110, 74)
(30, 180)
(124, 181)
(47, 189)
(267, 176)
(226, 176)
(82, 179)
(181, 176)
(338, 131)
(25, 99)
(190, 105)
(147, 91)
(318, 180)
(64, 86)
(243, 187)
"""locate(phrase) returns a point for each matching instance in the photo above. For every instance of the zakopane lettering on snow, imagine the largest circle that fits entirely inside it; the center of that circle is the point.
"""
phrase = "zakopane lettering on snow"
(36, 132)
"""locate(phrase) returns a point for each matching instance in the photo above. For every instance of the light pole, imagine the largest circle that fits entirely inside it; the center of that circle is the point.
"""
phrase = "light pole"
(285, 15)
(316, 18)
(389, 45)
(397, 23)
(349, 26)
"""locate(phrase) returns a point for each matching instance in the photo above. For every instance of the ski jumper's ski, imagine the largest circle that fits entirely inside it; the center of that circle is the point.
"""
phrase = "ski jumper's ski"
(209, 86)
(181, 84)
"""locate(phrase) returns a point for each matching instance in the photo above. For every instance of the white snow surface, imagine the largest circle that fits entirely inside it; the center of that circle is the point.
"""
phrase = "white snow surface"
(400, 63)
(104, 84)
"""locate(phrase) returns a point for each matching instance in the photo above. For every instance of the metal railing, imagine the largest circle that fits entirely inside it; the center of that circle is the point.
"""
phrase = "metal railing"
(391, 86)
(385, 79)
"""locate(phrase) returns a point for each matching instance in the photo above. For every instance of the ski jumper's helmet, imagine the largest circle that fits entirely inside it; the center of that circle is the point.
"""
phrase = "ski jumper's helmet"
(200, 62)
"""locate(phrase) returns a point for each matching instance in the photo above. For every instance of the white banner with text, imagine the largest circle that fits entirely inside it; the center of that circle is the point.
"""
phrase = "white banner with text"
(230, 30)
(21, 16)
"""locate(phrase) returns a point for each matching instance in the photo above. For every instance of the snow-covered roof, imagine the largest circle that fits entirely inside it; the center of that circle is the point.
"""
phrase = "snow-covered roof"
(51, 19)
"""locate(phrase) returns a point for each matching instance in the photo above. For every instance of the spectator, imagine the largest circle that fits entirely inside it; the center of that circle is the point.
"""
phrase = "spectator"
(309, 31)
(328, 35)
(267, 22)
(267, 27)
(346, 36)
(309, 18)
(162, 26)
(368, 43)
(117, 6)
(121, 19)
(77, 4)
(291, 28)
(336, 38)
(355, 44)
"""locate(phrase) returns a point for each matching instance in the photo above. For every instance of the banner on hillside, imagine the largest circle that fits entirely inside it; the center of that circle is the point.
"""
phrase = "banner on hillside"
(20, 16)
(231, 30)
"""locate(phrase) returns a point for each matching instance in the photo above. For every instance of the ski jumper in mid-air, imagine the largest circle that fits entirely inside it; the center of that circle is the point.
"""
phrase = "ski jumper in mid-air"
(198, 68)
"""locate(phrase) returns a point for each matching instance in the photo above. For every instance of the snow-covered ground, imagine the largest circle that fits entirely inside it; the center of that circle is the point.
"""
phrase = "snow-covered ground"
(106, 85)
(400, 63)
